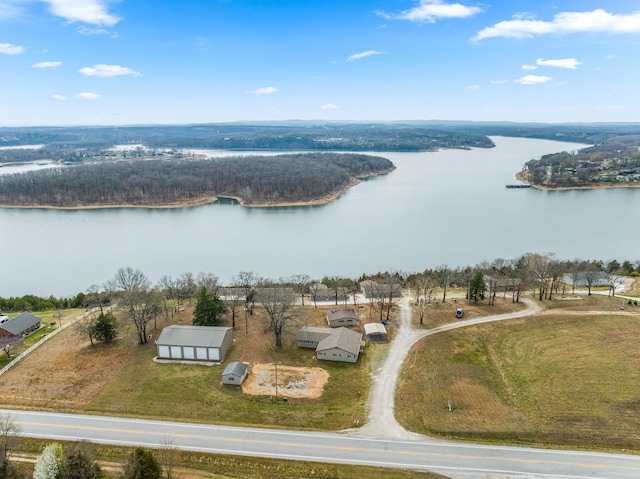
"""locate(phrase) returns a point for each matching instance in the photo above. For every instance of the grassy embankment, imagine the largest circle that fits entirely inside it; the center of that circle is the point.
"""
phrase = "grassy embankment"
(568, 376)
(50, 322)
(190, 465)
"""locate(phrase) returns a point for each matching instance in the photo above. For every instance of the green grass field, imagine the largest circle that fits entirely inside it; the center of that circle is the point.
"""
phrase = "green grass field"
(561, 379)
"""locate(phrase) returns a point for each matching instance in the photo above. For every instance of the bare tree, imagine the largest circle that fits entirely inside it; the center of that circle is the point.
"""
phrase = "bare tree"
(591, 274)
(137, 300)
(314, 288)
(615, 281)
(187, 287)
(247, 280)
(277, 302)
(9, 436)
(168, 456)
(301, 283)
(9, 344)
(168, 292)
(443, 273)
(86, 328)
(209, 281)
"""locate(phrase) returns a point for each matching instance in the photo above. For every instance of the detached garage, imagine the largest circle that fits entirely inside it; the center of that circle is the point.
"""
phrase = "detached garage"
(194, 343)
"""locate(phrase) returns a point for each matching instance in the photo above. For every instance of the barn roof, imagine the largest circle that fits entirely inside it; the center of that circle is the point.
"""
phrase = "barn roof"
(20, 323)
(310, 333)
(198, 336)
(235, 368)
(337, 314)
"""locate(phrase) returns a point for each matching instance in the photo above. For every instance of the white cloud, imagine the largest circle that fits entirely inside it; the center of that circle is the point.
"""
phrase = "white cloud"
(11, 49)
(499, 82)
(264, 91)
(432, 10)
(329, 106)
(46, 65)
(358, 56)
(84, 30)
(597, 21)
(93, 12)
(58, 97)
(533, 79)
(611, 57)
(9, 9)
(570, 63)
(87, 96)
(473, 87)
(529, 67)
(108, 71)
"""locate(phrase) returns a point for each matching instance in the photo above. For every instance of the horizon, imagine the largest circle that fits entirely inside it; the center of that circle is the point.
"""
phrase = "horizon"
(99, 63)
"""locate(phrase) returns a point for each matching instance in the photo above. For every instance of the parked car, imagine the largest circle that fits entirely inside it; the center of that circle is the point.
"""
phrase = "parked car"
(459, 312)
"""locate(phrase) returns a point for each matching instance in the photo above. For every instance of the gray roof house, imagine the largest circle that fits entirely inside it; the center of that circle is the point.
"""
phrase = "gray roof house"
(342, 317)
(331, 344)
(21, 325)
(375, 333)
(235, 372)
(310, 337)
(194, 343)
(342, 345)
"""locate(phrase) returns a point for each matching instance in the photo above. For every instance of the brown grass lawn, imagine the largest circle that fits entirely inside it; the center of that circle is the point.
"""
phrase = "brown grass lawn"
(121, 378)
(439, 313)
(564, 379)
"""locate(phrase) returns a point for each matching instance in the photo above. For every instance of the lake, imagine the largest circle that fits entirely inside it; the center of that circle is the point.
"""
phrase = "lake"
(447, 207)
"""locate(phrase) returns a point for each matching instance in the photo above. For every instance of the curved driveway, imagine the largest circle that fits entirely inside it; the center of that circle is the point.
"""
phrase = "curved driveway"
(380, 443)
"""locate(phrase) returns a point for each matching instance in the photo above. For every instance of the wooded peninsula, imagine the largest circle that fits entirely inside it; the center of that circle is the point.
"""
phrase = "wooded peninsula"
(312, 178)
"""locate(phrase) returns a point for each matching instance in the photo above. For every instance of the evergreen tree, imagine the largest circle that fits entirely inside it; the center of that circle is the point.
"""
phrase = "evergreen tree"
(209, 309)
(142, 464)
(78, 463)
(477, 287)
(105, 327)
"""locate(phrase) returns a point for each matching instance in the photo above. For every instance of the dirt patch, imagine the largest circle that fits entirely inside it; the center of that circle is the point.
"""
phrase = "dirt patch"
(292, 381)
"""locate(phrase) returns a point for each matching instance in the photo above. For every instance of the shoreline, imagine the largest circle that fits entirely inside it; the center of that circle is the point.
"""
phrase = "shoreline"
(598, 186)
(329, 198)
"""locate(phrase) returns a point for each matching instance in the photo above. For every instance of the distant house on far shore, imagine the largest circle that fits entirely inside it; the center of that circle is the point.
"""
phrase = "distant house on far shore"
(22, 325)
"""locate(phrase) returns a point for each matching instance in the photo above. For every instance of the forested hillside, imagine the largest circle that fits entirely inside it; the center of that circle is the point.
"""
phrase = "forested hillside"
(294, 137)
(255, 179)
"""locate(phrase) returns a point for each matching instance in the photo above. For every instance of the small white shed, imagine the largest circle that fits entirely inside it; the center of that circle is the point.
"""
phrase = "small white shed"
(234, 373)
(194, 343)
(375, 333)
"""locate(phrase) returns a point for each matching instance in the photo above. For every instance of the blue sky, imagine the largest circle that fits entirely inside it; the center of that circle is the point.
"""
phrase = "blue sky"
(99, 62)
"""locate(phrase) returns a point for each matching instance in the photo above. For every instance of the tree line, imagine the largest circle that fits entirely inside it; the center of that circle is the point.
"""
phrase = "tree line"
(283, 178)
(306, 136)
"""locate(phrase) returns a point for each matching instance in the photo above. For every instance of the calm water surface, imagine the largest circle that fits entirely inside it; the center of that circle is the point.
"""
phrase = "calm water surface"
(448, 207)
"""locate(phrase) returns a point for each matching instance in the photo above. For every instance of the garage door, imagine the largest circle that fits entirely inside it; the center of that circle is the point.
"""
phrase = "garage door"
(214, 354)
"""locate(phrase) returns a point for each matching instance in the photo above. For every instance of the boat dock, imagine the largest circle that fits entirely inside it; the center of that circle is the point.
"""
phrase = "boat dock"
(518, 186)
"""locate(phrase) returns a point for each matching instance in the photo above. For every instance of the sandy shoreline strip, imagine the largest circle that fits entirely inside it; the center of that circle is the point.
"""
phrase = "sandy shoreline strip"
(211, 199)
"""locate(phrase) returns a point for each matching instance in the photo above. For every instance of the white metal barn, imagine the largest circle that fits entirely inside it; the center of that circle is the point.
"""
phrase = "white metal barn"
(194, 343)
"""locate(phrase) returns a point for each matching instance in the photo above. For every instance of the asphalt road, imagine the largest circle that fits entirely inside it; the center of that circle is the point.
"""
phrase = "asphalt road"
(452, 459)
